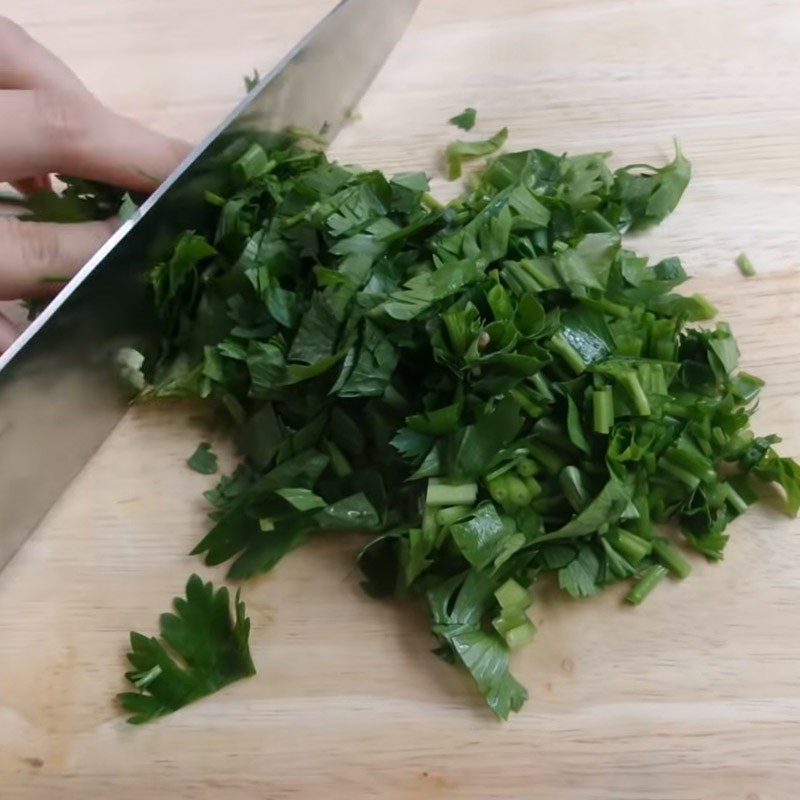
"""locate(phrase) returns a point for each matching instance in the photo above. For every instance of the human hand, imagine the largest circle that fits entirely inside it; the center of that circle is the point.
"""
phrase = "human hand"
(52, 123)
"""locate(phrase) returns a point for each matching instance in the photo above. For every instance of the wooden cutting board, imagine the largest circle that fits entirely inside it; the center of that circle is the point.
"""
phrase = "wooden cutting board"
(693, 696)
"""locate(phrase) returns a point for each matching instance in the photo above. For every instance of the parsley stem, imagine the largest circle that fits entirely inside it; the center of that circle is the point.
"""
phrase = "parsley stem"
(734, 498)
(694, 462)
(683, 475)
(520, 635)
(429, 523)
(512, 595)
(530, 407)
(430, 202)
(669, 556)
(450, 494)
(633, 547)
(662, 339)
(651, 577)
(527, 468)
(603, 409)
(677, 410)
(141, 680)
(544, 280)
(560, 346)
(519, 494)
(213, 198)
(542, 386)
(518, 281)
(510, 490)
(547, 457)
(631, 382)
(534, 487)
(606, 306)
(253, 163)
(450, 514)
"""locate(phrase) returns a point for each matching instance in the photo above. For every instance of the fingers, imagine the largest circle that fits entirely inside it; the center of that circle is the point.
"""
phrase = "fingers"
(39, 183)
(7, 333)
(25, 64)
(136, 158)
(36, 256)
(45, 131)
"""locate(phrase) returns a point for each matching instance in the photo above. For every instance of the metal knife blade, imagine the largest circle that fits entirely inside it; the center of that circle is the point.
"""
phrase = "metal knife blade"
(59, 392)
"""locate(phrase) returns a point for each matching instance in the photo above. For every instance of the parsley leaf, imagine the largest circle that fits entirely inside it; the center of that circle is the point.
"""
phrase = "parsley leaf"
(201, 649)
(203, 460)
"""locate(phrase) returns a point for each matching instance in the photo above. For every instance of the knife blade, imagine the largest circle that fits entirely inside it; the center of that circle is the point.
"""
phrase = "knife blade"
(59, 392)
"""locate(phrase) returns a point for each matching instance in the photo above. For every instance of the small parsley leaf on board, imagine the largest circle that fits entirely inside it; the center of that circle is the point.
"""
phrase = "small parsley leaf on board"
(465, 120)
(203, 460)
(202, 649)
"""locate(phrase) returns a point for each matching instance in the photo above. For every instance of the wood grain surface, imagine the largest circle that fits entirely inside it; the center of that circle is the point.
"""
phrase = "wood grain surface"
(693, 696)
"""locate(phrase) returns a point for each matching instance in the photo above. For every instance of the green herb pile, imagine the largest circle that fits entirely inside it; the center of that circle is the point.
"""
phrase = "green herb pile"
(491, 390)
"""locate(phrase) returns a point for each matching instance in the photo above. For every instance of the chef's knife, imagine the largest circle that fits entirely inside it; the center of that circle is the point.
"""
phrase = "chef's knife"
(59, 392)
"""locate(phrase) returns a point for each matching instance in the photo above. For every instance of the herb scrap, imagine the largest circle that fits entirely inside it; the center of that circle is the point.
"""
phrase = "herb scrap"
(465, 120)
(251, 81)
(745, 265)
(203, 460)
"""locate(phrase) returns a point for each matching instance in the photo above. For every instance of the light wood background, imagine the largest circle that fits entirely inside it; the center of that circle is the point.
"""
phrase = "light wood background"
(693, 696)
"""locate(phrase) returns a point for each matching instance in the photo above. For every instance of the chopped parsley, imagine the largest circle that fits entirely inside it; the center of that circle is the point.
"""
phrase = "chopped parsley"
(490, 390)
